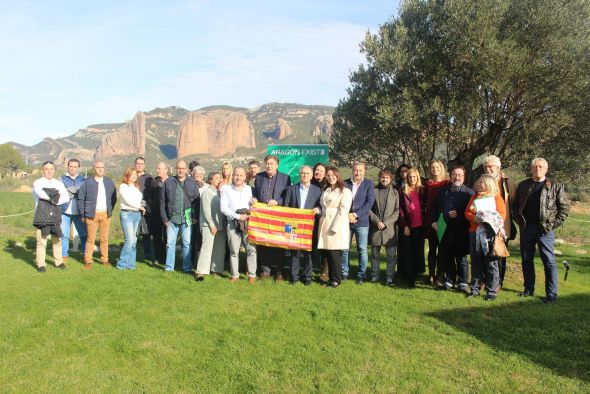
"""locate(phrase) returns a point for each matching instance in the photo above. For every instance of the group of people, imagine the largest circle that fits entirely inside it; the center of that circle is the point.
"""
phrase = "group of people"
(209, 215)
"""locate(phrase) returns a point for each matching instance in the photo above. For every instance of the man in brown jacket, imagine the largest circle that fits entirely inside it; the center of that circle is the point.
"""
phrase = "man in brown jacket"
(493, 166)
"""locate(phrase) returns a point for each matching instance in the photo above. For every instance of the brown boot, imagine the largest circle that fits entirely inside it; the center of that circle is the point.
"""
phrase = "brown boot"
(234, 280)
(251, 280)
(87, 266)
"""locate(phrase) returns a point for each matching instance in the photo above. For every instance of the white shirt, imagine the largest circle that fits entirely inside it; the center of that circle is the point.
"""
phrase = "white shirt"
(303, 192)
(355, 187)
(44, 183)
(233, 199)
(131, 197)
(101, 197)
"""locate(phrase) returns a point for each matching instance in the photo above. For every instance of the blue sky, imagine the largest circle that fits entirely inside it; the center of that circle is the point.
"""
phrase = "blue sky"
(68, 64)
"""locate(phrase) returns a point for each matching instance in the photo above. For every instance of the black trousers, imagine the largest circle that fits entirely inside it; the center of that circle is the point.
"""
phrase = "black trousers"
(334, 258)
(414, 254)
(401, 254)
(160, 239)
(268, 257)
(297, 258)
(434, 265)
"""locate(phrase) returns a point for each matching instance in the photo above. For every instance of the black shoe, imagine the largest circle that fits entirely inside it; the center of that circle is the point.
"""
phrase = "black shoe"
(344, 277)
(62, 266)
(547, 300)
(526, 293)
(472, 295)
(199, 278)
(333, 285)
(307, 282)
(41, 269)
(411, 285)
(389, 283)
(292, 282)
(360, 281)
(374, 280)
(490, 298)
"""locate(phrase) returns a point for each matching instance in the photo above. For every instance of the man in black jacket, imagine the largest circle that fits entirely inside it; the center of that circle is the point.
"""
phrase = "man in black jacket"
(270, 188)
(451, 201)
(178, 199)
(145, 181)
(303, 195)
(540, 205)
(152, 192)
(97, 197)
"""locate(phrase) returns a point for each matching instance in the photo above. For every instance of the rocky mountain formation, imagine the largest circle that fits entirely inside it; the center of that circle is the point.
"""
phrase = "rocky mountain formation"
(168, 133)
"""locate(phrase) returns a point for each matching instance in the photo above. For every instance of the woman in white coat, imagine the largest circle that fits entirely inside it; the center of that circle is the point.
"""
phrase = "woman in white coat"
(334, 231)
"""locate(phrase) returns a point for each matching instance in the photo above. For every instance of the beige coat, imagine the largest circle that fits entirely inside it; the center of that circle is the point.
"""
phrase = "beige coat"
(334, 231)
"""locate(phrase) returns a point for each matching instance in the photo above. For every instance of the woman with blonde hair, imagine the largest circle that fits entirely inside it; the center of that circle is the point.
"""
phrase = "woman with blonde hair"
(226, 173)
(486, 212)
(132, 207)
(411, 218)
(437, 179)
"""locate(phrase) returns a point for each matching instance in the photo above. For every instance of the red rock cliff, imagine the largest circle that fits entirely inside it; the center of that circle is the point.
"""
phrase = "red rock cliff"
(214, 132)
(127, 140)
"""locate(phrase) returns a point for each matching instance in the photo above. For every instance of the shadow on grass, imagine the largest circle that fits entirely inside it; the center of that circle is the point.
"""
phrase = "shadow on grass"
(555, 336)
(26, 252)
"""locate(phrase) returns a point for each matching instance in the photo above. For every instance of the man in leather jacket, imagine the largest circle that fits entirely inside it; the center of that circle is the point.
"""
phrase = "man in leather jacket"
(540, 205)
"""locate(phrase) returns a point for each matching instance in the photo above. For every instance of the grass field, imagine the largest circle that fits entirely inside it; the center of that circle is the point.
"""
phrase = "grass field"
(149, 331)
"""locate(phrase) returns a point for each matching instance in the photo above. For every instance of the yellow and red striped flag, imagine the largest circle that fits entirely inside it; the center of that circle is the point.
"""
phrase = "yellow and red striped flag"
(281, 227)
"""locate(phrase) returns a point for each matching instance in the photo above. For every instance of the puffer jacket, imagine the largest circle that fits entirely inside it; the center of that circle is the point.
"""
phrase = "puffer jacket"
(555, 203)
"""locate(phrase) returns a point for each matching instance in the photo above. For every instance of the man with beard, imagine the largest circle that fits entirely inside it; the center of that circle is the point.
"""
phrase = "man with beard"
(451, 201)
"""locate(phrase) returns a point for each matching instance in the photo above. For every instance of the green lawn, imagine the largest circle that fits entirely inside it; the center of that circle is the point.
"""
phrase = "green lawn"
(109, 331)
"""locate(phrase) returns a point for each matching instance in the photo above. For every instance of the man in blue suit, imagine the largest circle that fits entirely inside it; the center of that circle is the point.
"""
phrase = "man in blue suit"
(303, 195)
(270, 187)
(363, 197)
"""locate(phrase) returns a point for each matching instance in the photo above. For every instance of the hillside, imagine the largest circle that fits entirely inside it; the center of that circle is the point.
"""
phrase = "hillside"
(212, 134)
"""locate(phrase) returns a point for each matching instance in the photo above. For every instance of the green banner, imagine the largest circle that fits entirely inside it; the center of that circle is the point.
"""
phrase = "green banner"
(293, 157)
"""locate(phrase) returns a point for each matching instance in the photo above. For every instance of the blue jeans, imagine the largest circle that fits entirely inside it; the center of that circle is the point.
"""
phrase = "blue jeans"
(66, 221)
(362, 236)
(483, 269)
(129, 222)
(185, 238)
(530, 236)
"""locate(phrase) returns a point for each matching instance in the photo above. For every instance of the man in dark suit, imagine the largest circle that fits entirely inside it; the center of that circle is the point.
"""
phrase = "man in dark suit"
(303, 195)
(451, 201)
(363, 197)
(270, 187)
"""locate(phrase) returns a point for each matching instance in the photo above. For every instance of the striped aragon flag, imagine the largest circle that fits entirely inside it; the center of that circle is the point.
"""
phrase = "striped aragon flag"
(281, 227)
